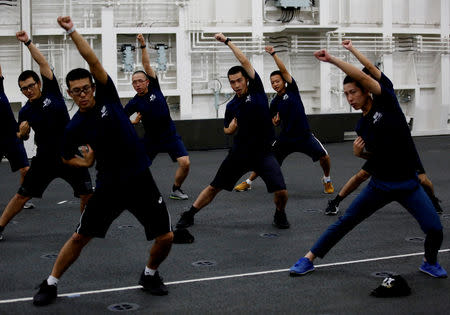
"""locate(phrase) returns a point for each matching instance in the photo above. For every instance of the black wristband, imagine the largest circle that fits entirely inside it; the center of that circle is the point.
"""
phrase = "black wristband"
(273, 53)
(227, 40)
(27, 43)
(143, 46)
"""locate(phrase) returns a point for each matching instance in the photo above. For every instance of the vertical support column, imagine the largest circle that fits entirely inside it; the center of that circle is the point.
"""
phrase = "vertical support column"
(388, 67)
(184, 81)
(444, 100)
(325, 87)
(257, 33)
(324, 12)
(27, 61)
(109, 42)
(25, 24)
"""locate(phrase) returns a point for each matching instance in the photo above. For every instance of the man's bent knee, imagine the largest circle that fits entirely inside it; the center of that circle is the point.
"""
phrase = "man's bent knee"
(184, 162)
(80, 239)
(165, 238)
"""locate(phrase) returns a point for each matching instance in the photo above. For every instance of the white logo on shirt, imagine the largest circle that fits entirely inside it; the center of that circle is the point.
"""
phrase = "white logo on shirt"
(160, 200)
(376, 117)
(248, 99)
(104, 112)
(46, 102)
(152, 97)
(285, 97)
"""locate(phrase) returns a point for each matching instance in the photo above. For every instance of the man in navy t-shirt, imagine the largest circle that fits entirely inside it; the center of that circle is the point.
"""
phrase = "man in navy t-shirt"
(356, 180)
(124, 181)
(385, 140)
(247, 116)
(46, 113)
(160, 133)
(287, 108)
(11, 146)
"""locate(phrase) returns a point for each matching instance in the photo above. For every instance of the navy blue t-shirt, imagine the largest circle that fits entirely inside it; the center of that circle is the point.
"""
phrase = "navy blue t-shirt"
(118, 151)
(386, 135)
(294, 124)
(8, 124)
(158, 125)
(255, 132)
(48, 116)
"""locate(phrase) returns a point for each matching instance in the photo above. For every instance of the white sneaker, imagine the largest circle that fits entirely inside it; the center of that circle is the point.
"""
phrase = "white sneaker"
(28, 205)
(178, 195)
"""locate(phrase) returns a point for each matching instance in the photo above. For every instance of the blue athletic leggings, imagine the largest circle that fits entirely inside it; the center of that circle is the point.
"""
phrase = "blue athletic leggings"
(374, 196)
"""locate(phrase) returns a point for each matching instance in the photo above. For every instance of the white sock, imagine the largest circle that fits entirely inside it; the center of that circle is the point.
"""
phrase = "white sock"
(52, 280)
(248, 181)
(149, 272)
(327, 179)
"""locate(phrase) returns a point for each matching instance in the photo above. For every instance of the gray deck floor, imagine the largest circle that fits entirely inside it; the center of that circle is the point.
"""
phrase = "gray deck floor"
(245, 259)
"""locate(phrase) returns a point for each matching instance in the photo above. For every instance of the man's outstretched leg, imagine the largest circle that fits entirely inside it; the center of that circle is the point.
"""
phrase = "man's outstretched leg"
(14, 206)
(180, 175)
(150, 279)
(203, 199)
(66, 257)
(280, 199)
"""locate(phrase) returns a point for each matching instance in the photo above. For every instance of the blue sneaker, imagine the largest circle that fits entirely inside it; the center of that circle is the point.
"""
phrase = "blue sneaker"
(301, 267)
(433, 270)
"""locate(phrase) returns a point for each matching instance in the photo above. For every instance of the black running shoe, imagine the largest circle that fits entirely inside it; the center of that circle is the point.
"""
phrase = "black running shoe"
(154, 284)
(332, 208)
(46, 294)
(280, 221)
(185, 221)
(436, 204)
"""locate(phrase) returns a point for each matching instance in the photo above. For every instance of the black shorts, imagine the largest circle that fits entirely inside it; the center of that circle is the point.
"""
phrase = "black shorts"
(140, 196)
(309, 145)
(16, 155)
(42, 172)
(174, 148)
(235, 165)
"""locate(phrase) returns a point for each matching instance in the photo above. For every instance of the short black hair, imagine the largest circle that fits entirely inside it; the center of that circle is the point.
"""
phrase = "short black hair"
(237, 69)
(28, 74)
(349, 79)
(77, 74)
(277, 72)
(139, 71)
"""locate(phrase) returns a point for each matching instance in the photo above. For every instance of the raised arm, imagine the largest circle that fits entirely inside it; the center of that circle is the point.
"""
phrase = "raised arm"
(145, 57)
(374, 71)
(1, 75)
(85, 50)
(44, 67)
(284, 72)
(238, 53)
(366, 81)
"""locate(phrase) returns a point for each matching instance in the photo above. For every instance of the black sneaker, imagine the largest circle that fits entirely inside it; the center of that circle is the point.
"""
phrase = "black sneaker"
(185, 221)
(332, 208)
(154, 284)
(46, 294)
(280, 221)
(436, 205)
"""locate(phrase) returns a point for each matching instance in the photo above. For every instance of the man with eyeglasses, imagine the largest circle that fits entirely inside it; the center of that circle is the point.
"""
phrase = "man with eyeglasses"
(46, 113)
(160, 133)
(124, 180)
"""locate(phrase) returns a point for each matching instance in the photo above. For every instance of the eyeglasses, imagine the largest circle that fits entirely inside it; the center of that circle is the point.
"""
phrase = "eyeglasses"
(85, 89)
(140, 81)
(28, 87)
